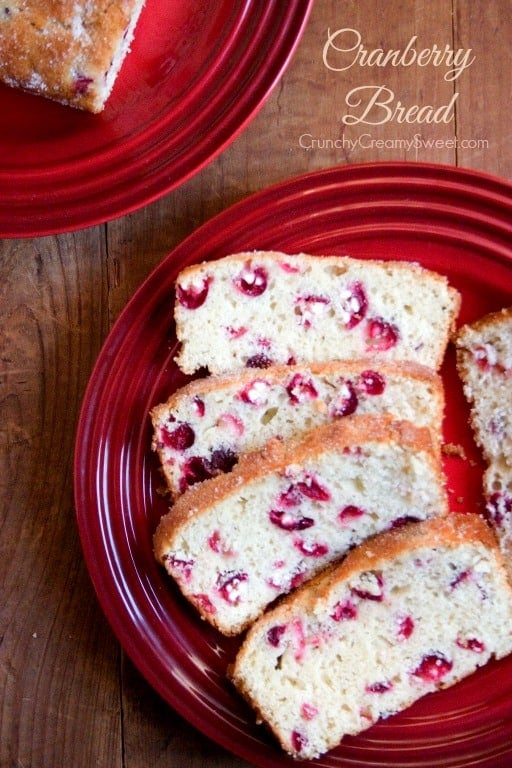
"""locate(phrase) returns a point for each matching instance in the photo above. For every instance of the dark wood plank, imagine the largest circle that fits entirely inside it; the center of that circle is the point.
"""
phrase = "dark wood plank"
(59, 661)
(483, 117)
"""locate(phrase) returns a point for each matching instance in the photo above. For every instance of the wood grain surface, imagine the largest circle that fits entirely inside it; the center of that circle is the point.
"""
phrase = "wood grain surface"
(69, 696)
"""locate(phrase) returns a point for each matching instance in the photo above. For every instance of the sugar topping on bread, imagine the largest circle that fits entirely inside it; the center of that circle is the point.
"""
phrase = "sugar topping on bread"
(69, 51)
(405, 614)
(205, 426)
(484, 362)
(237, 541)
(263, 308)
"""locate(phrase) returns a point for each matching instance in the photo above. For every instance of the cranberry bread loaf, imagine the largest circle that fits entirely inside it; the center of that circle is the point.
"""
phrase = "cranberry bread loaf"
(484, 362)
(260, 308)
(205, 426)
(70, 51)
(408, 613)
(237, 541)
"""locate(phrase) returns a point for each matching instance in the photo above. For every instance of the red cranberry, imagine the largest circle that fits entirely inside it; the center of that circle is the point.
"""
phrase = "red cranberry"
(312, 489)
(290, 498)
(372, 383)
(289, 268)
(309, 711)
(216, 544)
(204, 602)
(406, 628)
(181, 567)
(199, 406)
(258, 361)
(222, 460)
(347, 401)
(193, 295)
(308, 307)
(344, 610)
(300, 389)
(255, 393)
(252, 281)
(380, 335)
(472, 644)
(180, 438)
(371, 586)
(433, 668)
(460, 578)
(299, 741)
(481, 358)
(311, 550)
(214, 541)
(350, 512)
(275, 634)
(354, 304)
(229, 585)
(231, 423)
(380, 687)
(81, 84)
(193, 471)
(288, 522)
(297, 579)
(196, 468)
(236, 333)
(400, 522)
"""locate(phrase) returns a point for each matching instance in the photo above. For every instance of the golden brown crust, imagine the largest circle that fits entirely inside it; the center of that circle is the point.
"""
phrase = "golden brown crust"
(276, 455)
(406, 266)
(62, 48)
(492, 319)
(451, 530)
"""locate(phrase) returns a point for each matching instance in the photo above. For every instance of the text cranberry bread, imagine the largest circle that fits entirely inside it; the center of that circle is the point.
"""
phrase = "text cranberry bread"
(405, 614)
(484, 362)
(237, 541)
(205, 426)
(70, 51)
(260, 308)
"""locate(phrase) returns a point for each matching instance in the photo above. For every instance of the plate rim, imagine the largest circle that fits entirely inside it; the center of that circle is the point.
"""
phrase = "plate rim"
(42, 186)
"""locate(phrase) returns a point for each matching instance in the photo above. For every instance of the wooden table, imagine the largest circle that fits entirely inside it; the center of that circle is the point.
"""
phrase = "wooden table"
(70, 697)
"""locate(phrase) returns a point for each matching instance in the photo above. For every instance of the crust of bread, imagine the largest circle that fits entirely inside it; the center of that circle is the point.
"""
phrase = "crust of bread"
(492, 319)
(452, 530)
(61, 49)
(405, 266)
(276, 454)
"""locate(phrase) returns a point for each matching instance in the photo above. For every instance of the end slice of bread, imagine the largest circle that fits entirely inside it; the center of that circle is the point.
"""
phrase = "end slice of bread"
(405, 614)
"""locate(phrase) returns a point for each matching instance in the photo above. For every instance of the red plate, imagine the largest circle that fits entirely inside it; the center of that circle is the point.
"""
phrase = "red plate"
(457, 222)
(197, 73)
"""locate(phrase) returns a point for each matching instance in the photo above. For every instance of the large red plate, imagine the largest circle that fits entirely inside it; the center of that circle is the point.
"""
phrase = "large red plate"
(197, 73)
(453, 221)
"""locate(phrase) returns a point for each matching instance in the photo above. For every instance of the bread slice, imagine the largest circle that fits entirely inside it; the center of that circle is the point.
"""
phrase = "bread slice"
(205, 426)
(70, 51)
(237, 541)
(405, 614)
(484, 362)
(260, 308)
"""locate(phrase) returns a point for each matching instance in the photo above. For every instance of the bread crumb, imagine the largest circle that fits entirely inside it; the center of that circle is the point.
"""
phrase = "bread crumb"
(454, 449)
